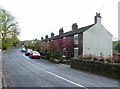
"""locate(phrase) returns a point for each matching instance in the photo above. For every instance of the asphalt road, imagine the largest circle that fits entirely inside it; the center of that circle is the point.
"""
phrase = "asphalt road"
(21, 71)
(0, 69)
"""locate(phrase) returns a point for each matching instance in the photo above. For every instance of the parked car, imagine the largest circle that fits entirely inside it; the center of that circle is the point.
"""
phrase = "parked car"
(23, 49)
(35, 54)
(28, 52)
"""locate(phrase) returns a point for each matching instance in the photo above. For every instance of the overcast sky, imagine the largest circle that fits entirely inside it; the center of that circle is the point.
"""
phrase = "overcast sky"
(38, 18)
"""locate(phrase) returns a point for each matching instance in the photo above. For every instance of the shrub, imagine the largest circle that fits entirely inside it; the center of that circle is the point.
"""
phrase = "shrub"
(90, 57)
(47, 56)
(117, 61)
(95, 59)
(101, 60)
(108, 61)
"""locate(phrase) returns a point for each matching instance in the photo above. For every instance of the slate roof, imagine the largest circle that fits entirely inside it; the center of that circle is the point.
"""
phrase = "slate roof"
(70, 33)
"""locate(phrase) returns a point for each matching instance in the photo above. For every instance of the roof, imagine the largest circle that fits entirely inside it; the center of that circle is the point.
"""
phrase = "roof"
(70, 33)
(107, 31)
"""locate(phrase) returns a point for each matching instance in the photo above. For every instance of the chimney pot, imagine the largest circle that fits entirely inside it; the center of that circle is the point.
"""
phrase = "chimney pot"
(52, 34)
(97, 18)
(46, 37)
(61, 31)
(74, 26)
(41, 38)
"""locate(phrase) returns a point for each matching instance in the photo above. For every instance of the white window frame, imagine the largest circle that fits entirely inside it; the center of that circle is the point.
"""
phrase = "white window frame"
(76, 52)
(76, 39)
(64, 38)
(64, 51)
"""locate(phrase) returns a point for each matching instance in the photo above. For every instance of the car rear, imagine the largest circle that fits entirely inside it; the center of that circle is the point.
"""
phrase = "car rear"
(35, 54)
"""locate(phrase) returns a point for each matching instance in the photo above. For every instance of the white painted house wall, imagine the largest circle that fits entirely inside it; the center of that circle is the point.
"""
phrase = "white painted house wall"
(97, 40)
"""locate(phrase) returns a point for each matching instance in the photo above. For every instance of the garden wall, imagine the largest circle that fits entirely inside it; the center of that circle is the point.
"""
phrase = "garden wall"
(106, 69)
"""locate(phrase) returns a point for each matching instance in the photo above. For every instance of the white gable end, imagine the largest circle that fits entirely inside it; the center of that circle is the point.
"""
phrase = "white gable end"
(97, 40)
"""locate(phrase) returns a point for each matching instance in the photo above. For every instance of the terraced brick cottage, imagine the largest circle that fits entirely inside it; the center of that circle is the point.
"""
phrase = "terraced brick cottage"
(93, 39)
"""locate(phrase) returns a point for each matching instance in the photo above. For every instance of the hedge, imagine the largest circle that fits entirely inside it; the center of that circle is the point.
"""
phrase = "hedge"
(106, 69)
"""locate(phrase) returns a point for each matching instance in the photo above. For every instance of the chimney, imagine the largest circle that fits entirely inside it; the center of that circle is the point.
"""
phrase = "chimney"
(52, 34)
(46, 37)
(41, 38)
(98, 18)
(61, 31)
(74, 26)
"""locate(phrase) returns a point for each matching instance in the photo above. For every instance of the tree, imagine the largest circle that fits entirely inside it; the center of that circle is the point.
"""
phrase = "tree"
(35, 44)
(0, 44)
(8, 29)
(53, 46)
(116, 47)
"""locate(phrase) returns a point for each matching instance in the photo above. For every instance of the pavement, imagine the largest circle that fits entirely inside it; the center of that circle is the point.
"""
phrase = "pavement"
(21, 71)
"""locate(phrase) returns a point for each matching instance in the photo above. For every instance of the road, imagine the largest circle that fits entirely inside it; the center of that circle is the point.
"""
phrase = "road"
(21, 71)
(0, 69)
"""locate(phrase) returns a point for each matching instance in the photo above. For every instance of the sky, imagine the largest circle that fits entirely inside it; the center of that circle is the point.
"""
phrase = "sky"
(38, 18)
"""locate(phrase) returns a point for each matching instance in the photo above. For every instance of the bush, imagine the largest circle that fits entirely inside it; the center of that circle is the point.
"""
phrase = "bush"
(55, 55)
(101, 60)
(117, 61)
(95, 59)
(47, 56)
(6, 44)
(108, 61)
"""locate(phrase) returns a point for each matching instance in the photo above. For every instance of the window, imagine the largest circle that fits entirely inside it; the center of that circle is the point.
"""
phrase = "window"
(64, 51)
(64, 41)
(75, 52)
(76, 39)
(64, 38)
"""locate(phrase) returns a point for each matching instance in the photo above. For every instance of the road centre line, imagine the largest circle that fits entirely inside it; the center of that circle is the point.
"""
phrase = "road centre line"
(66, 79)
(59, 76)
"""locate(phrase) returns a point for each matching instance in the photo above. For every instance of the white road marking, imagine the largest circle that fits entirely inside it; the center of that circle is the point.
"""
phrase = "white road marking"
(66, 79)
(25, 56)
